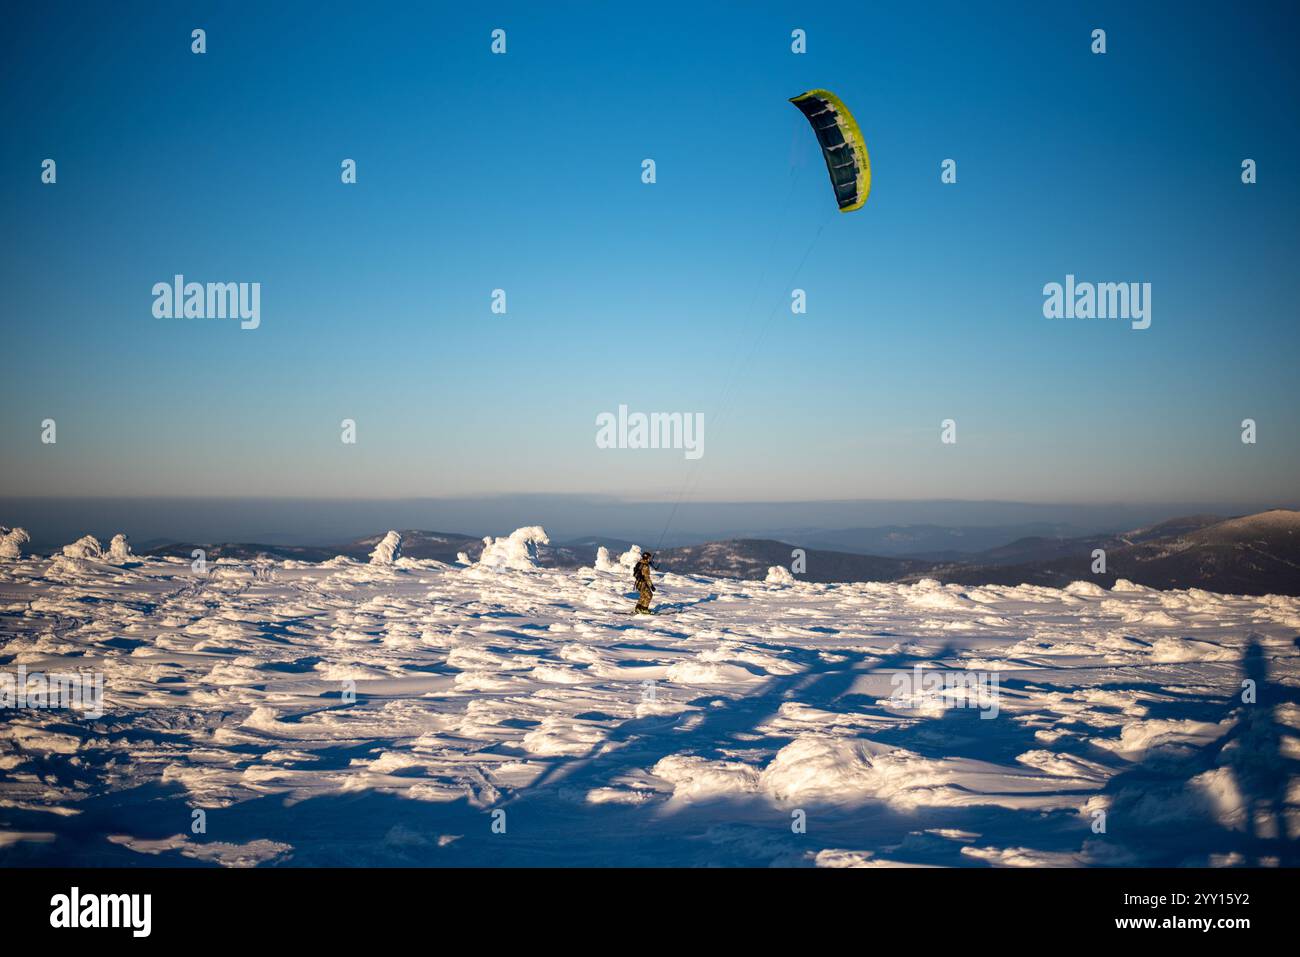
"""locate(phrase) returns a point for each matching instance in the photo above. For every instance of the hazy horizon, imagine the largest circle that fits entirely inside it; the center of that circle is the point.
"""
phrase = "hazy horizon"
(53, 521)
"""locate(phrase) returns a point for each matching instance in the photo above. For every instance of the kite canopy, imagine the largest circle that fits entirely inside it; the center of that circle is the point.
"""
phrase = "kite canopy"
(842, 146)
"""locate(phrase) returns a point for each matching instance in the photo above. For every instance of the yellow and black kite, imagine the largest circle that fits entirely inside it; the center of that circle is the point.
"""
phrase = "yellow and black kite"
(842, 146)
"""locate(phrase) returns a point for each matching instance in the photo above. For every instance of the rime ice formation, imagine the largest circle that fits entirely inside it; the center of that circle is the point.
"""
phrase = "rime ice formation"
(779, 575)
(518, 550)
(119, 549)
(388, 551)
(12, 541)
(85, 547)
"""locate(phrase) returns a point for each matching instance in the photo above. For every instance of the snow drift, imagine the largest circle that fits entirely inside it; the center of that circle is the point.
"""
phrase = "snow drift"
(686, 740)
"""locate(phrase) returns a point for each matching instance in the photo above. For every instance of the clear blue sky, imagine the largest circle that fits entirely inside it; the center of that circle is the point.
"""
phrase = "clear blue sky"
(523, 172)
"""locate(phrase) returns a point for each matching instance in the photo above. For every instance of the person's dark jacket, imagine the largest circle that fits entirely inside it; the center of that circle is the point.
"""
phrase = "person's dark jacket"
(641, 574)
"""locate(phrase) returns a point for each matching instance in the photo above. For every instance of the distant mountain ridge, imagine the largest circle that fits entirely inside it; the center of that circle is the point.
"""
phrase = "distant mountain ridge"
(440, 546)
(927, 541)
(1250, 555)
(416, 543)
(752, 557)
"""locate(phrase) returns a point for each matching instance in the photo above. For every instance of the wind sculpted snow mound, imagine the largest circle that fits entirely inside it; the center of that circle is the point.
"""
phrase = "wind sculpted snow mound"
(517, 550)
(337, 713)
(388, 551)
(11, 542)
(85, 547)
(779, 575)
(624, 563)
(119, 549)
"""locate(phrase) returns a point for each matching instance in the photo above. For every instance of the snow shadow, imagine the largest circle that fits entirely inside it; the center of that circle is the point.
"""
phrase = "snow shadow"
(1225, 802)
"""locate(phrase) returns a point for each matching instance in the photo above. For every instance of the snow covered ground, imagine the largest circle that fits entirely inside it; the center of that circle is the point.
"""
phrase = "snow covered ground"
(751, 723)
